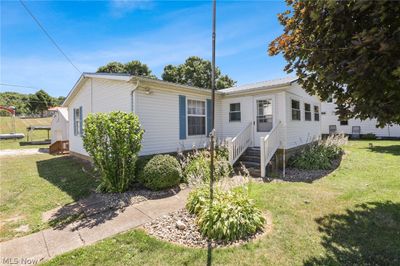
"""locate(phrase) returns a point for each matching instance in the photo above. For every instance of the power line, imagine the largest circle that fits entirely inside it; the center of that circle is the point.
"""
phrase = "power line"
(19, 86)
(48, 35)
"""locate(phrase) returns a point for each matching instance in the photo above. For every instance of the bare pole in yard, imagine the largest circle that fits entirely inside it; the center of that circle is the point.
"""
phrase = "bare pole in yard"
(212, 134)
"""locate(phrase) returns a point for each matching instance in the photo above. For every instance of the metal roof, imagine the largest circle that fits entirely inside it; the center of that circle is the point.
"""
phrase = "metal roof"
(261, 85)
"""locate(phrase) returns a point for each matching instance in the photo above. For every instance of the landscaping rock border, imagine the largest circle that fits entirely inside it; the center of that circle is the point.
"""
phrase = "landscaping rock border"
(180, 228)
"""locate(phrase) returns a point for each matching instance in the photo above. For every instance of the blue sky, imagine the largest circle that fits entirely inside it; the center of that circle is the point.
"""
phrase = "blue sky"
(157, 33)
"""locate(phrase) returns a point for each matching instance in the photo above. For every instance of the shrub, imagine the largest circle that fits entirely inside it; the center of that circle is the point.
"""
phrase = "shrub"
(197, 167)
(320, 155)
(113, 140)
(232, 215)
(368, 136)
(161, 172)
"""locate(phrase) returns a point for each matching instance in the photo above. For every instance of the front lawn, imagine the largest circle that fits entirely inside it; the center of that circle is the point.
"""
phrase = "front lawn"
(33, 184)
(6, 126)
(351, 217)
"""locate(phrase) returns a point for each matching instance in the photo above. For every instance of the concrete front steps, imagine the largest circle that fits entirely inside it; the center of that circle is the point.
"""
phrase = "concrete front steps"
(251, 160)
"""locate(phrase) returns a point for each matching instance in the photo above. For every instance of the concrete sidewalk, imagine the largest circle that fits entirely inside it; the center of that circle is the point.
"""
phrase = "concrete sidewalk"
(49, 243)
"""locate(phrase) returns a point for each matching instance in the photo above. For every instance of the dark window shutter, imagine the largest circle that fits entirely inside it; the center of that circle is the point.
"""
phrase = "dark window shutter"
(73, 110)
(182, 117)
(209, 111)
(81, 120)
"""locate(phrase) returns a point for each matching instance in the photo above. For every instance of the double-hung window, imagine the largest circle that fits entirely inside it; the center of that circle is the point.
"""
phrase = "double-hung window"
(316, 113)
(77, 121)
(196, 112)
(307, 112)
(296, 110)
(234, 112)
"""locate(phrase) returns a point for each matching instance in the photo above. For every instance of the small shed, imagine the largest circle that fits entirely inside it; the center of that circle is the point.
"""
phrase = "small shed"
(59, 124)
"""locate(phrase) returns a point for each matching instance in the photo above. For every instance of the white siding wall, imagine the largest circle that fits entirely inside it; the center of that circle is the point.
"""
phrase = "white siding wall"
(159, 115)
(301, 132)
(367, 126)
(248, 113)
(59, 128)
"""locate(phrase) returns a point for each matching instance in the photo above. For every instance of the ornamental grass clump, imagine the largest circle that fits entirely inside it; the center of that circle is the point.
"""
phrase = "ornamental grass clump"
(231, 216)
(197, 166)
(319, 156)
(113, 141)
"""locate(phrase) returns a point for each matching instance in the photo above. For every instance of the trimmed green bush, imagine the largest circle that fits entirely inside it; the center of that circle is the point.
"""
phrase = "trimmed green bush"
(231, 216)
(113, 140)
(161, 172)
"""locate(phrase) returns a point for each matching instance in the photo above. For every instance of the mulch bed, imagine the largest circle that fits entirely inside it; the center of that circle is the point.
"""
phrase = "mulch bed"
(166, 228)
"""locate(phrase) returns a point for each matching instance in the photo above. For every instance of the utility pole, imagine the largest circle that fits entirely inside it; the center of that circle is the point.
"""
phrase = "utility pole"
(212, 134)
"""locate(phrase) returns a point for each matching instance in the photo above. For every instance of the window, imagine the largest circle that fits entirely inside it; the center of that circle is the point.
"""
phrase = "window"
(77, 121)
(296, 110)
(332, 129)
(330, 99)
(316, 113)
(234, 112)
(196, 117)
(307, 112)
(344, 122)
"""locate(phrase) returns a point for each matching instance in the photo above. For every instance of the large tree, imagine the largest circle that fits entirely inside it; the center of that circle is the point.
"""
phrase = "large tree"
(40, 101)
(349, 49)
(133, 68)
(196, 72)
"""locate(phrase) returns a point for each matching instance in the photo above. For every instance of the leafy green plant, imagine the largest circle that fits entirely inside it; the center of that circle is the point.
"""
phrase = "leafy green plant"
(319, 155)
(160, 172)
(113, 140)
(231, 216)
(197, 167)
(369, 136)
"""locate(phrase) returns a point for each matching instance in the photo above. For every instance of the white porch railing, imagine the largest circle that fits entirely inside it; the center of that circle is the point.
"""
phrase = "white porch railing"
(238, 144)
(269, 144)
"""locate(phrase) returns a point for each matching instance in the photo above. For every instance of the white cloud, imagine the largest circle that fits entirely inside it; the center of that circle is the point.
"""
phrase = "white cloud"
(121, 7)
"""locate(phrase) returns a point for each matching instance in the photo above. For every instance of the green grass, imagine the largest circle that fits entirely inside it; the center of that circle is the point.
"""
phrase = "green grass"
(33, 184)
(351, 217)
(6, 126)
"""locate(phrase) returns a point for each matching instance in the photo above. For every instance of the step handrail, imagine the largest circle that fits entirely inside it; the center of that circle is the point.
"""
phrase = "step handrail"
(238, 145)
(269, 145)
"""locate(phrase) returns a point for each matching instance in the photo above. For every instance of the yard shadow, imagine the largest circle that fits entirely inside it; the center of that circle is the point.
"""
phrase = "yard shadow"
(368, 234)
(67, 174)
(392, 149)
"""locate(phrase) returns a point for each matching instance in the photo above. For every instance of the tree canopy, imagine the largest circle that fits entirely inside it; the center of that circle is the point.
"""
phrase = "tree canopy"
(349, 49)
(196, 72)
(133, 68)
(28, 103)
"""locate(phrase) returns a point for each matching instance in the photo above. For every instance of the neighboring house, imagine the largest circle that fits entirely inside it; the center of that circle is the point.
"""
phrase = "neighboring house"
(354, 127)
(59, 124)
(272, 115)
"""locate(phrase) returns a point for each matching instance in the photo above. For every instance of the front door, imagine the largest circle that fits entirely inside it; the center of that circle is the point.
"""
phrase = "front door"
(263, 118)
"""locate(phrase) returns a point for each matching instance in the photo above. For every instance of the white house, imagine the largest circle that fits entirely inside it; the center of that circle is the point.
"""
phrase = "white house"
(331, 124)
(276, 114)
(59, 124)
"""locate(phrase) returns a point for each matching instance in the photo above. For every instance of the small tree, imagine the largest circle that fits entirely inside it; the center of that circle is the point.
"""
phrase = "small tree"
(113, 140)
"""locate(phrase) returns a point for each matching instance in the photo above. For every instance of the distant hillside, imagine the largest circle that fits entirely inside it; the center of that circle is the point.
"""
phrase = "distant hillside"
(28, 104)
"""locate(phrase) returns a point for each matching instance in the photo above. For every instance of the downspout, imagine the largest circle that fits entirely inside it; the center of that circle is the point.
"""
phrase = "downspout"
(132, 96)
